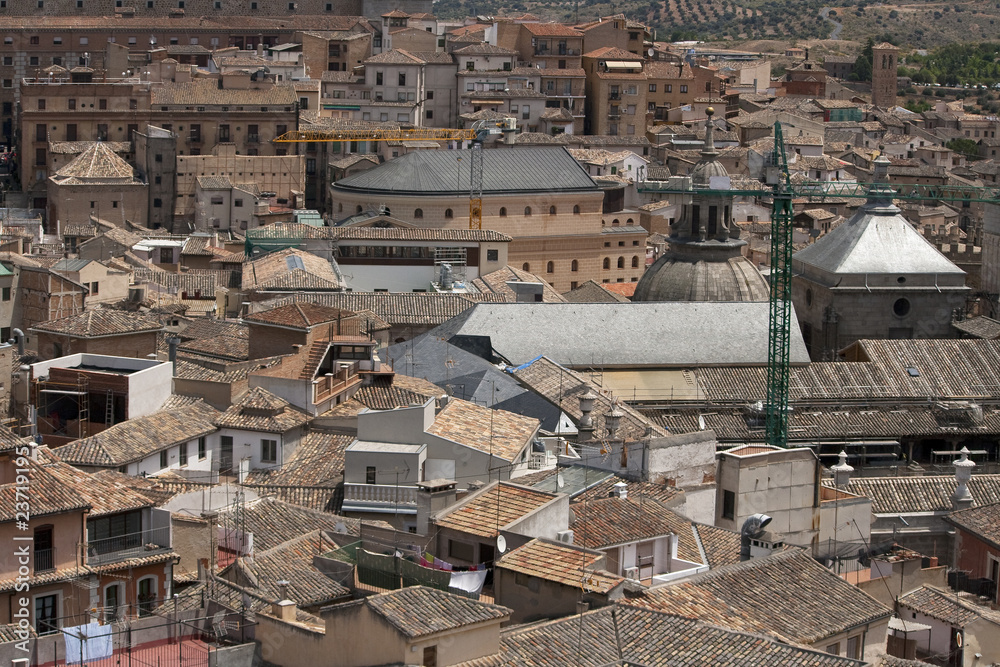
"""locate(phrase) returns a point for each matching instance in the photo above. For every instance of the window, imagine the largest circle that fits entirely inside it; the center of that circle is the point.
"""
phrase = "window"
(491, 256)
(419, 213)
(448, 213)
(635, 261)
(833, 649)
(503, 211)
(552, 210)
(576, 209)
(157, 202)
(430, 113)
(41, 105)
(102, 104)
(112, 600)
(46, 614)
(574, 265)
(621, 262)
(526, 267)
(652, 87)
(853, 644)
(527, 210)
(202, 449)
(8, 83)
(238, 203)
(378, 78)
(146, 596)
(182, 457)
(402, 78)
(164, 459)
(901, 307)
(6, 295)
(684, 88)
(607, 262)
(8, 60)
(40, 132)
(269, 451)
(33, 40)
(728, 505)
(95, 287)
(669, 88)
(370, 475)
(550, 267)
(430, 656)
(525, 112)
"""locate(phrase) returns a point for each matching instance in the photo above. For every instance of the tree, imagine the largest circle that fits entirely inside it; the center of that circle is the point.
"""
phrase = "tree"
(862, 68)
(966, 147)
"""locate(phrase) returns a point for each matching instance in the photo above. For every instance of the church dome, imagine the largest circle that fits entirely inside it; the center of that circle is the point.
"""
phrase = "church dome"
(687, 273)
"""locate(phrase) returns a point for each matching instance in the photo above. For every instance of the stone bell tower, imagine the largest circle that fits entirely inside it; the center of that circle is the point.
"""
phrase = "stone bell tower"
(885, 58)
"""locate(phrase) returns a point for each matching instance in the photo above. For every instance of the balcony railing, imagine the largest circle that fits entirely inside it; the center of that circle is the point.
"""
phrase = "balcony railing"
(334, 383)
(44, 560)
(194, 138)
(380, 498)
(614, 96)
(253, 138)
(130, 545)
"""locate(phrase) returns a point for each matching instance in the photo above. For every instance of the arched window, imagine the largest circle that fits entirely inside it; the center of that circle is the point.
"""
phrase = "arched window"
(635, 261)
(503, 211)
(607, 262)
(629, 221)
(419, 213)
(358, 209)
(527, 210)
(615, 222)
(526, 267)
(574, 266)
(550, 267)
(112, 602)
(552, 210)
(448, 213)
(621, 262)
(576, 209)
(146, 595)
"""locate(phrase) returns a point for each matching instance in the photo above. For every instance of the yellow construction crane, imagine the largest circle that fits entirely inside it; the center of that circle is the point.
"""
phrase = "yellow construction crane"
(476, 134)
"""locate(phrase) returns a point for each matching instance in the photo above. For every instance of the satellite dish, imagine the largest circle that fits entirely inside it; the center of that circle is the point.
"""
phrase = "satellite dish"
(501, 543)
(560, 482)
(650, 52)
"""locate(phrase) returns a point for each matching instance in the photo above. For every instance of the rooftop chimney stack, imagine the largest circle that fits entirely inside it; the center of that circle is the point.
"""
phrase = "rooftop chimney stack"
(613, 420)
(842, 472)
(619, 490)
(586, 407)
(962, 497)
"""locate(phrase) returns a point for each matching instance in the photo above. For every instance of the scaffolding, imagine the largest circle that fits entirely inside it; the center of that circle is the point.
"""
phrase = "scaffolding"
(454, 257)
(50, 397)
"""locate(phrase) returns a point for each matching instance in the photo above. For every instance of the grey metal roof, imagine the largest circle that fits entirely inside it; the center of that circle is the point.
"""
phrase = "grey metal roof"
(877, 239)
(624, 334)
(70, 265)
(505, 170)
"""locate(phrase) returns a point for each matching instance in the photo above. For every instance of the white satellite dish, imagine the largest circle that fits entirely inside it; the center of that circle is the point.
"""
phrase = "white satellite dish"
(501, 543)
(651, 51)
(560, 482)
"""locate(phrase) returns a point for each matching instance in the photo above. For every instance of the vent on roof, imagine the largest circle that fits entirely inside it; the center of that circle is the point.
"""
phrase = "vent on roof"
(294, 262)
(912, 371)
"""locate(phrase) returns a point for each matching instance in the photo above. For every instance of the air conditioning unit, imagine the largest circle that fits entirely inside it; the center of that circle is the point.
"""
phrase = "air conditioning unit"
(632, 573)
(565, 536)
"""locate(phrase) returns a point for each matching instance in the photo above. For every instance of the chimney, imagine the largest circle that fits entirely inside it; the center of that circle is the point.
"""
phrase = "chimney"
(962, 498)
(752, 529)
(432, 497)
(842, 472)
(613, 420)
(283, 608)
(619, 490)
(586, 407)
(172, 343)
(582, 607)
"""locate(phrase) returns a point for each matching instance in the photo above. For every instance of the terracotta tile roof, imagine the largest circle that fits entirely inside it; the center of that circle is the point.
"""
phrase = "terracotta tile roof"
(156, 490)
(951, 608)
(496, 282)
(551, 30)
(398, 309)
(561, 563)
(205, 92)
(304, 315)
(931, 493)
(493, 508)
(274, 522)
(135, 439)
(230, 348)
(563, 387)
(786, 594)
(983, 522)
(99, 164)
(317, 462)
(593, 292)
(419, 611)
(290, 269)
(103, 494)
(502, 433)
(49, 493)
(99, 323)
(260, 410)
(401, 57)
(613, 521)
(621, 635)
(292, 561)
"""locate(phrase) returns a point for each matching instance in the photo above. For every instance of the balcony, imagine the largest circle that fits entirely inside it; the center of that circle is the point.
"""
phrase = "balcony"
(44, 560)
(194, 138)
(332, 384)
(614, 96)
(253, 138)
(131, 545)
(380, 498)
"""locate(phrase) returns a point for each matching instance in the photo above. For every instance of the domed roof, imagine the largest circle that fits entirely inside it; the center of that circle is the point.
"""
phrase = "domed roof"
(676, 277)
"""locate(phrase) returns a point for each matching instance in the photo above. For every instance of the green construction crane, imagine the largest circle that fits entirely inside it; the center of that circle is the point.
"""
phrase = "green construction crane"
(782, 192)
